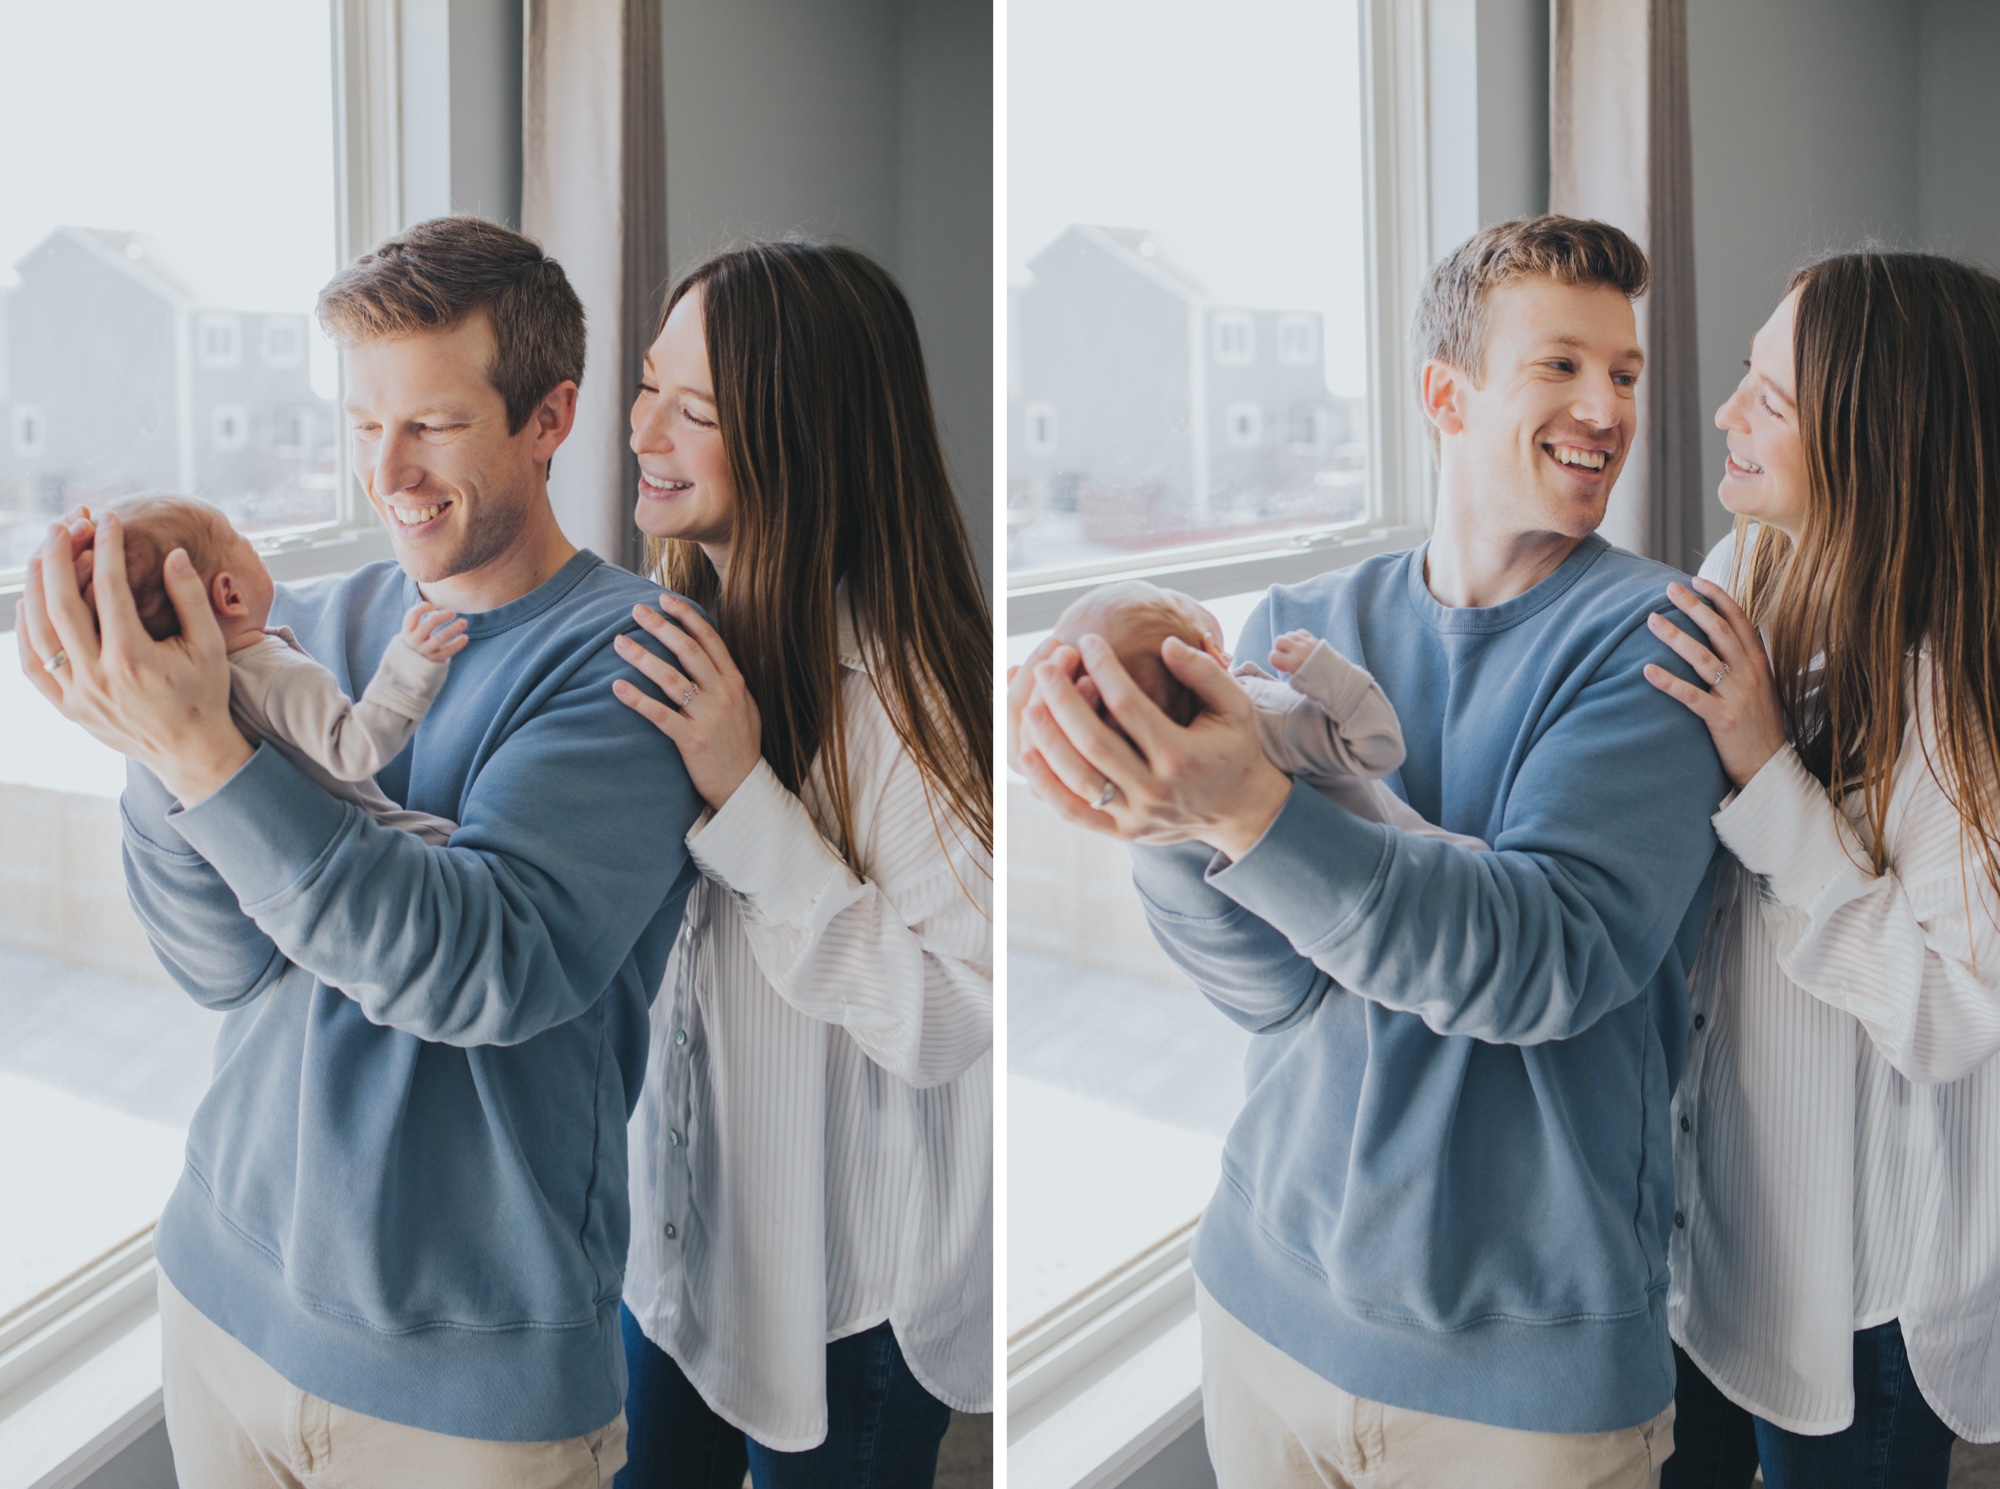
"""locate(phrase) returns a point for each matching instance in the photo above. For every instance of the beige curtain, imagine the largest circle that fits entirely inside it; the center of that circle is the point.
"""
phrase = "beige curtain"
(593, 194)
(1619, 152)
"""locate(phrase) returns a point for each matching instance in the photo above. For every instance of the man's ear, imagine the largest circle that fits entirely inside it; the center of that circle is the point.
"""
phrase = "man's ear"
(1442, 392)
(553, 419)
(227, 596)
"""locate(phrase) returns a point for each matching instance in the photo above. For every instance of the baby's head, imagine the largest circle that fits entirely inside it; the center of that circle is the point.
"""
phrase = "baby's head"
(239, 587)
(1134, 618)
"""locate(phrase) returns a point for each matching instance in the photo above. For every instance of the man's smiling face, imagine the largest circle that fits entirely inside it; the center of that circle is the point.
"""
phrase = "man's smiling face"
(1547, 430)
(431, 446)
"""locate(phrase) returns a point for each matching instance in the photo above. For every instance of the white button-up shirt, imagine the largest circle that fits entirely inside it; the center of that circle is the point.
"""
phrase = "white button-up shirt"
(1837, 1126)
(813, 1150)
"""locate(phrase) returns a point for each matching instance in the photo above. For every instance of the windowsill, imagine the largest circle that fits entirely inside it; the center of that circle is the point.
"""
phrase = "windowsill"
(84, 1376)
(1034, 604)
(1097, 1390)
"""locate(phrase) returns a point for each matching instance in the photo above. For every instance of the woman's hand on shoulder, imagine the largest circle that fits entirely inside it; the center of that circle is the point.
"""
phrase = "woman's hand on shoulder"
(1737, 697)
(710, 716)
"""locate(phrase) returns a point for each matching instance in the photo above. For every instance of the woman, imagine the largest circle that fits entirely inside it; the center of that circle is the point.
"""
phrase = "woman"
(810, 1277)
(1836, 1261)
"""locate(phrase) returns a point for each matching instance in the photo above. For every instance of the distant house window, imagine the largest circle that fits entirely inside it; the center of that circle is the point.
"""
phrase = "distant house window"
(1235, 339)
(218, 341)
(1243, 425)
(230, 424)
(31, 432)
(1298, 340)
(291, 430)
(1303, 425)
(284, 342)
(1040, 435)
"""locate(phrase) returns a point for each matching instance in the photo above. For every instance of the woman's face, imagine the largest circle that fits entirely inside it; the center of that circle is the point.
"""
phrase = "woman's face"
(1765, 475)
(684, 486)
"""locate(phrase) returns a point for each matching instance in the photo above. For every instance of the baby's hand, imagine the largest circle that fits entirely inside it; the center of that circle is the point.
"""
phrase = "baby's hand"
(434, 632)
(1290, 650)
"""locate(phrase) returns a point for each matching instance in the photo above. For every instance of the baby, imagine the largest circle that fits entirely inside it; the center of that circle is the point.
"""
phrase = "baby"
(277, 692)
(1328, 724)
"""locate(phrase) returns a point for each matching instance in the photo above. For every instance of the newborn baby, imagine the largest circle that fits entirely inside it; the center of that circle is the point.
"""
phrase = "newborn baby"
(1328, 724)
(277, 692)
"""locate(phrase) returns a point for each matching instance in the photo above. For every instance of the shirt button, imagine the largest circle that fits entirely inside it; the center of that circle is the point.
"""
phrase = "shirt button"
(671, 1232)
(1686, 1125)
(1700, 1020)
(680, 1036)
(673, 1138)
(1680, 1222)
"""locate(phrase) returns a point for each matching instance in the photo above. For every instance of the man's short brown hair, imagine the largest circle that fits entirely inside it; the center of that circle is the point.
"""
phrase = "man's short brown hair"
(441, 271)
(1451, 322)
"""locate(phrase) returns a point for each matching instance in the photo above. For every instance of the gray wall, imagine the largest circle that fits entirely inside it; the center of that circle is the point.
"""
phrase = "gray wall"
(870, 122)
(1818, 124)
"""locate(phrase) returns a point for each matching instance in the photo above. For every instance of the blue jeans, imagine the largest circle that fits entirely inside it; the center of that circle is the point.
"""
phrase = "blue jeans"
(1894, 1442)
(882, 1428)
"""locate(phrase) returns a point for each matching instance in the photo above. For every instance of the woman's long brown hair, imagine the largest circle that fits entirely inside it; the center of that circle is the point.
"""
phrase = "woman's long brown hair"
(1897, 357)
(825, 413)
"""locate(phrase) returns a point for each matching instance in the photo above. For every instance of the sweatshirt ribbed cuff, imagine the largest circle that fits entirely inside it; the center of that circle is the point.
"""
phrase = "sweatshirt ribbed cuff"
(764, 846)
(264, 829)
(1783, 826)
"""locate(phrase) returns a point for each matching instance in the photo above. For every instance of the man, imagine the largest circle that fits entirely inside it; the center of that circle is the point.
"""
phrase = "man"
(1438, 1254)
(395, 1254)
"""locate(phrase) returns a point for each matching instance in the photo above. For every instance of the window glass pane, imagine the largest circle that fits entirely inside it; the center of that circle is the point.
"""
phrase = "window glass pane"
(167, 206)
(1187, 336)
(1121, 1079)
(166, 220)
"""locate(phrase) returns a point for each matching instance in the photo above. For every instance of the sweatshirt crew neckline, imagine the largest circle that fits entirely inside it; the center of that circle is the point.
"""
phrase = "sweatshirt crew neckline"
(1485, 619)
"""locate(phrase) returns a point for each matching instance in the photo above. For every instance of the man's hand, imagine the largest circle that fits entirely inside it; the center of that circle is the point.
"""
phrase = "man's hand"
(1209, 781)
(164, 704)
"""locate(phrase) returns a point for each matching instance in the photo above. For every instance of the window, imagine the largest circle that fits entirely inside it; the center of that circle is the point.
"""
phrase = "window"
(1298, 340)
(230, 425)
(139, 354)
(218, 338)
(284, 341)
(1151, 250)
(30, 432)
(1041, 433)
(1165, 265)
(1235, 339)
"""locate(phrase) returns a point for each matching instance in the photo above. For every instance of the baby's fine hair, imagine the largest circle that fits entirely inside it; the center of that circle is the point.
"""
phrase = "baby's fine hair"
(156, 523)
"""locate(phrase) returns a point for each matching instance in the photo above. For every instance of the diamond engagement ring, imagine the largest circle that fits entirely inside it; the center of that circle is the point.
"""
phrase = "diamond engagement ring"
(1105, 797)
(1716, 681)
(686, 699)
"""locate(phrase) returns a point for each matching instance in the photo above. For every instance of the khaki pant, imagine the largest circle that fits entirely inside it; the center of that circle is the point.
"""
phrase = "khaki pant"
(235, 1423)
(1273, 1424)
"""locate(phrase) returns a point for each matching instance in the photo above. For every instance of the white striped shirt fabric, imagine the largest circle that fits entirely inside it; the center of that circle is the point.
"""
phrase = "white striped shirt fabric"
(813, 1150)
(1837, 1125)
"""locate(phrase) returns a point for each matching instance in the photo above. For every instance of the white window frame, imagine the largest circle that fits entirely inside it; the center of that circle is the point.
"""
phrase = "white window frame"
(1232, 338)
(1243, 425)
(1110, 1377)
(291, 327)
(80, 1364)
(1041, 433)
(218, 340)
(29, 416)
(229, 426)
(1401, 475)
(1298, 339)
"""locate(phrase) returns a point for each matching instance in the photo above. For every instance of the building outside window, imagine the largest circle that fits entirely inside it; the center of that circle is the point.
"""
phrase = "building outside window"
(1235, 339)
(133, 267)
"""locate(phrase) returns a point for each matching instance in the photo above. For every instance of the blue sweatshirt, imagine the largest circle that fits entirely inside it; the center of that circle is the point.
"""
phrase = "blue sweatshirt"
(405, 1189)
(1451, 1184)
